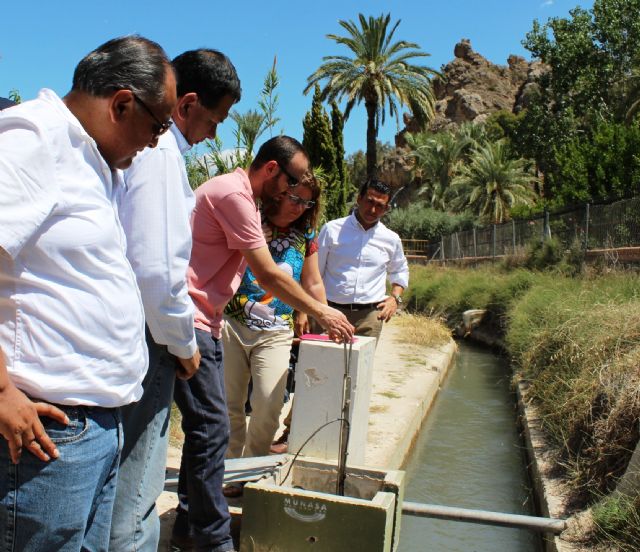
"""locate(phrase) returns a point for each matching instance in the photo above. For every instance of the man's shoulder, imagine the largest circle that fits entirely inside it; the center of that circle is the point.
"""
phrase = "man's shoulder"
(223, 185)
(335, 224)
(38, 115)
(387, 232)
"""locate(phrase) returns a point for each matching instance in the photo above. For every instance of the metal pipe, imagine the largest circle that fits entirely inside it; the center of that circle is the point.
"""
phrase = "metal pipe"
(546, 525)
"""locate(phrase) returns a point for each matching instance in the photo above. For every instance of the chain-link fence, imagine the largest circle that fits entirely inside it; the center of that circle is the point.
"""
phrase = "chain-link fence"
(615, 225)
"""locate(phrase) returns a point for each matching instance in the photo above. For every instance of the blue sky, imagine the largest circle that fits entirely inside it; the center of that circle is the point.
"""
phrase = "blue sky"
(41, 42)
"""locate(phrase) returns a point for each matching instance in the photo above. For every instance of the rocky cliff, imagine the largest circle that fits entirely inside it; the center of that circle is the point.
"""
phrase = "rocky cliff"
(471, 88)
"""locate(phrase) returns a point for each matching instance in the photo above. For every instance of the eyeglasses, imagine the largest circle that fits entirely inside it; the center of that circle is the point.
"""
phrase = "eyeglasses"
(292, 181)
(159, 127)
(297, 200)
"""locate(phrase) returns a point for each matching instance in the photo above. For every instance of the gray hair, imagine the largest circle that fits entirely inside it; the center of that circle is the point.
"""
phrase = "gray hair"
(127, 63)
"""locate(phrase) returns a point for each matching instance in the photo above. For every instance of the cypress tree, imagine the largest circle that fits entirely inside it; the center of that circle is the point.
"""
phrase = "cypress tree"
(318, 141)
(344, 183)
(317, 138)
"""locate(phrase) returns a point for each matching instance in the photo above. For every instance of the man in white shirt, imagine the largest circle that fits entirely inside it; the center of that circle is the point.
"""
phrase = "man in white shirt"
(71, 317)
(155, 208)
(357, 254)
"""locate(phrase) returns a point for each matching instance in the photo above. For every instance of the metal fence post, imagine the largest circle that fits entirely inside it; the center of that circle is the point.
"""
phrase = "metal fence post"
(586, 227)
(546, 230)
(513, 227)
(442, 255)
(475, 246)
(494, 241)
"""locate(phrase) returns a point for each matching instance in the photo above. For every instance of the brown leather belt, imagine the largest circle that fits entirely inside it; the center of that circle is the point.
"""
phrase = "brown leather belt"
(354, 306)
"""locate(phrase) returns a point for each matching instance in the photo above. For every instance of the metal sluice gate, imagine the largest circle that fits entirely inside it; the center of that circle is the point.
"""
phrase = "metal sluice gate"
(254, 469)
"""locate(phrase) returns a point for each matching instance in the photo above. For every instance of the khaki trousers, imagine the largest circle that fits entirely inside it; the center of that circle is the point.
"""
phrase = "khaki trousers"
(263, 356)
(365, 321)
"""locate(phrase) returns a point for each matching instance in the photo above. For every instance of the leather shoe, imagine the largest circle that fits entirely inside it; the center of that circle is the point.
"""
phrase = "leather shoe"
(232, 491)
(279, 448)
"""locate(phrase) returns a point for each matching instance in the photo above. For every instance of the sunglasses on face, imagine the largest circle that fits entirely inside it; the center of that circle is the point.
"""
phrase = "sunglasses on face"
(297, 200)
(292, 181)
(159, 127)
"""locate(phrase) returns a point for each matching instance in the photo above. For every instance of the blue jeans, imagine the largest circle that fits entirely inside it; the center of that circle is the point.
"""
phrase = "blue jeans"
(64, 504)
(136, 525)
(205, 423)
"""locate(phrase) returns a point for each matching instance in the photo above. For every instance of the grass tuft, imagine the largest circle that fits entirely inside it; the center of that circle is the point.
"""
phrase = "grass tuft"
(423, 330)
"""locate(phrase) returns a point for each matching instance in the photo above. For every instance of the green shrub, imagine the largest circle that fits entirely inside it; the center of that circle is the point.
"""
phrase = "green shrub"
(577, 342)
(617, 519)
(542, 254)
(419, 222)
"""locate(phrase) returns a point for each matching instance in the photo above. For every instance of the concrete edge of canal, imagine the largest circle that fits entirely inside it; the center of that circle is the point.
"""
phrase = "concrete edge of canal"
(406, 380)
(548, 488)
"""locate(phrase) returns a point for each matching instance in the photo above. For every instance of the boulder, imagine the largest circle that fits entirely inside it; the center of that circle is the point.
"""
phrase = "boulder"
(472, 88)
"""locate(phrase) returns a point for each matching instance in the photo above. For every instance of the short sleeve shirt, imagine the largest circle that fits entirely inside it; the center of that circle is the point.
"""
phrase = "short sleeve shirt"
(71, 318)
(224, 222)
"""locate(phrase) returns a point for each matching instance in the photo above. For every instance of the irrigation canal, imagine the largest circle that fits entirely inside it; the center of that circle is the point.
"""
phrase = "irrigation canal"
(469, 454)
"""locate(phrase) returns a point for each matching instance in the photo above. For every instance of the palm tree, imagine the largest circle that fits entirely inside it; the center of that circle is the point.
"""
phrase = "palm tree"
(492, 183)
(380, 73)
(249, 127)
(436, 161)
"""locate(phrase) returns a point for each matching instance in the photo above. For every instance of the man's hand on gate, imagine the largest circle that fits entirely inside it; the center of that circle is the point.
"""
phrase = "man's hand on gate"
(336, 324)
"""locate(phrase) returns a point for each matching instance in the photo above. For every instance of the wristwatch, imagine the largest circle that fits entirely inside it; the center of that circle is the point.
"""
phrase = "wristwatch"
(398, 298)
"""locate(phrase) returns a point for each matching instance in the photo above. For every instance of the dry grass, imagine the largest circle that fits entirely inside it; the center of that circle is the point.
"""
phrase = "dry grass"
(422, 330)
(176, 436)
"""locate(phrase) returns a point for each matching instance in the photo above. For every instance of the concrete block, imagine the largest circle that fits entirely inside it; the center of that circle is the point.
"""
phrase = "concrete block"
(302, 512)
(319, 383)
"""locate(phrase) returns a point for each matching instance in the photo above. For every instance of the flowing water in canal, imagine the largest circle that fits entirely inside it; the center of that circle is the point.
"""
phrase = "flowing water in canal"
(469, 455)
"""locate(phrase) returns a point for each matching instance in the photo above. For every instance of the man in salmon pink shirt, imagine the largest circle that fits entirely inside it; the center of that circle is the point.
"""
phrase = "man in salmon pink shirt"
(227, 236)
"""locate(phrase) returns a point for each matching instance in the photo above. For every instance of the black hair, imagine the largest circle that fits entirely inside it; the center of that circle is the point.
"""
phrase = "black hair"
(280, 149)
(208, 73)
(131, 62)
(376, 186)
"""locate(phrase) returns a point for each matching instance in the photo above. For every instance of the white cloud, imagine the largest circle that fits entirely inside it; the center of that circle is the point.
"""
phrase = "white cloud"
(547, 3)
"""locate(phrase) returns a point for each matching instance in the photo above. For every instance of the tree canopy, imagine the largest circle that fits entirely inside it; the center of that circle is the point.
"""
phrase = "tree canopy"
(379, 72)
(593, 64)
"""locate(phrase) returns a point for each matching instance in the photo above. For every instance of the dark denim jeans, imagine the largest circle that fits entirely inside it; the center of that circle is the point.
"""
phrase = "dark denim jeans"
(136, 525)
(64, 504)
(205, 423)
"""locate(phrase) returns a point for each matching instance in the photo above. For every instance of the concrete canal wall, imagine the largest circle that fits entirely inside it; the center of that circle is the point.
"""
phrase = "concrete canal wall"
(406, 380)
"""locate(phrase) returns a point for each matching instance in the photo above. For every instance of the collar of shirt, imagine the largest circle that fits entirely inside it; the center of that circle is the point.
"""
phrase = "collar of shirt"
(353, 220)
(183, 145)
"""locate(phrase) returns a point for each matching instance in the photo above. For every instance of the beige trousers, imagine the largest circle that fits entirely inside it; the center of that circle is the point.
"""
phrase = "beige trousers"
(263, 356)
(365, 321)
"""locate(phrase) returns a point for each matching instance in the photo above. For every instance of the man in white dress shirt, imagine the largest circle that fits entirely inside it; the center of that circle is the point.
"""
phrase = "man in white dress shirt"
(155, 209)
(71, 316)
(357, 254)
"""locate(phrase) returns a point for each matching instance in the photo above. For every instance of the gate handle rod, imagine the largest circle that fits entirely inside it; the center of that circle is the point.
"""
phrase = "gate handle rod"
(484, 517)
